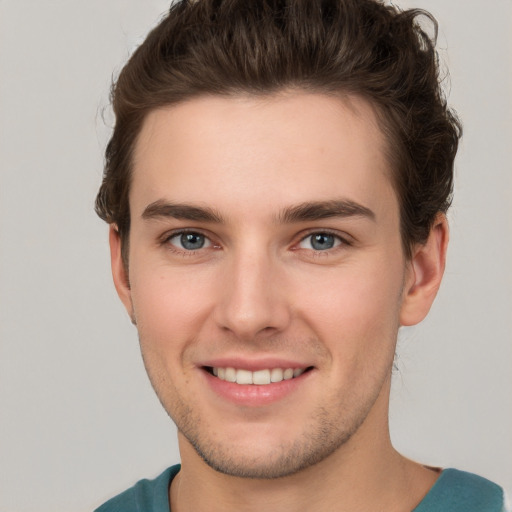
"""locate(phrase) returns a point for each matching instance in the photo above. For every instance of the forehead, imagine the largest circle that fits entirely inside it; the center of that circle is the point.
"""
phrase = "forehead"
(240, 151)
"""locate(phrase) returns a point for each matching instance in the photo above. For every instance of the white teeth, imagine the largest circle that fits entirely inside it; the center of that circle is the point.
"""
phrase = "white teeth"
(288, 374)
(244, 377)
(230, 375)
(260, 377)
(276, 375)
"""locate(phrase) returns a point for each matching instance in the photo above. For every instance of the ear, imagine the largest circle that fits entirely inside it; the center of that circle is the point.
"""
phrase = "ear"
(425, 272)
(119, 271)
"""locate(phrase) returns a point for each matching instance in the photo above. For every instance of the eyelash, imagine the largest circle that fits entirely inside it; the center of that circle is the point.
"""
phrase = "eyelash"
(165, 241)
(343, 242)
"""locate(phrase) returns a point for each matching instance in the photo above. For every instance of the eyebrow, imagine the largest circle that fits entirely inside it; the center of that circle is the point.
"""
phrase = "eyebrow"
(303, 212)
(318, 210)
(164, 209)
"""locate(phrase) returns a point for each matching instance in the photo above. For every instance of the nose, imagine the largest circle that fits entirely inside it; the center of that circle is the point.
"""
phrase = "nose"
(253, 301)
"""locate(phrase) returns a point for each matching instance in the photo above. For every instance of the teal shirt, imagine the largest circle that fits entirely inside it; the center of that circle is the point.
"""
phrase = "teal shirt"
(454, 491)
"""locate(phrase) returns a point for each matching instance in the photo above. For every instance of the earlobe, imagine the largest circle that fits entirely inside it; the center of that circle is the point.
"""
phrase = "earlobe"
(119, 270)
(425, 273)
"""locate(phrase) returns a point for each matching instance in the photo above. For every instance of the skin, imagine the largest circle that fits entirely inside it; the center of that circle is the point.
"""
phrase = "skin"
(258, 289)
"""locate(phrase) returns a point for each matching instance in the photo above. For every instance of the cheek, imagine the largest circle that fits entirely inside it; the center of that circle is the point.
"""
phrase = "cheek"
(169, 306)
(356, 311)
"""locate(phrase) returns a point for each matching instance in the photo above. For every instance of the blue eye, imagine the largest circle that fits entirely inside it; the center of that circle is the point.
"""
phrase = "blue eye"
(320, 242)
(189, 241)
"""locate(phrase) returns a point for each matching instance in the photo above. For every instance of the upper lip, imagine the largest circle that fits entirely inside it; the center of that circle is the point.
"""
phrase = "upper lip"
(241, 363)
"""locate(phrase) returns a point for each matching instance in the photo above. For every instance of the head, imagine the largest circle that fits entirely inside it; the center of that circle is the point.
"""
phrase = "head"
(276, 186)
(336, 47)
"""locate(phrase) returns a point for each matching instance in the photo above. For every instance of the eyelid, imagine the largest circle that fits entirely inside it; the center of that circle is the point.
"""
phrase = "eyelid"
(207, 241)
(182, 231)
(343, 237)
(167, 236)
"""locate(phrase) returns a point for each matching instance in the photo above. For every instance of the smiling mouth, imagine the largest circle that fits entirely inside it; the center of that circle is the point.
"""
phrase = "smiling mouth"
(259, 377)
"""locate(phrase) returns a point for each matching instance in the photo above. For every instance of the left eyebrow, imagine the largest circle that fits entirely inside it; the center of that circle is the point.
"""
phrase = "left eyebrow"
(318, 210)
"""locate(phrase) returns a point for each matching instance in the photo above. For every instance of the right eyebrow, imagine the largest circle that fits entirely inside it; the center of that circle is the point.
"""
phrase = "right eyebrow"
(182, 211)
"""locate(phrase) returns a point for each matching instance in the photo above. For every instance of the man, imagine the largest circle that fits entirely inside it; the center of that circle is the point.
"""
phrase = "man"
(276, 188)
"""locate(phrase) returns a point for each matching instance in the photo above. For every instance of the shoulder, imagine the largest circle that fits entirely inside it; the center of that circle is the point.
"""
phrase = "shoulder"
(145, 495)
(465, 492)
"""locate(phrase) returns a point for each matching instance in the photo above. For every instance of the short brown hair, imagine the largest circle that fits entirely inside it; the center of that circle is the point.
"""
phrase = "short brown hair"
(361, 47)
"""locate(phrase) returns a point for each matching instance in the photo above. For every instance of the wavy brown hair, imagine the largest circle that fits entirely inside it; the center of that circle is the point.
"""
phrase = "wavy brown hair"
(360, 47)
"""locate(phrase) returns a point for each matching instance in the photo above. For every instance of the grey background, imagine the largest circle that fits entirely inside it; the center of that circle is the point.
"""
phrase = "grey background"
(78, 419)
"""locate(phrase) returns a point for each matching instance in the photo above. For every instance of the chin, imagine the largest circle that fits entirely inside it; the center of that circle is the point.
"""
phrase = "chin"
(272, 459)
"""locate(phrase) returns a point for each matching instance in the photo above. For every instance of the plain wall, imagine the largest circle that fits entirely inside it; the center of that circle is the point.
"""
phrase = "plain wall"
(78, 419)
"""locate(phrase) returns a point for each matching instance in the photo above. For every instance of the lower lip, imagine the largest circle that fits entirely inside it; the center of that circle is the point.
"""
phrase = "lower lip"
(253, 395)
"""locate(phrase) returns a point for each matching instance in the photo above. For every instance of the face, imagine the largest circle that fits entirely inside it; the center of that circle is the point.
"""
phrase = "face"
(266, 276)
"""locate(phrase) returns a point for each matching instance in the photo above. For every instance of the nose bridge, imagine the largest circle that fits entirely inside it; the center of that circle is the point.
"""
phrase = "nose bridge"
(252, 301)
